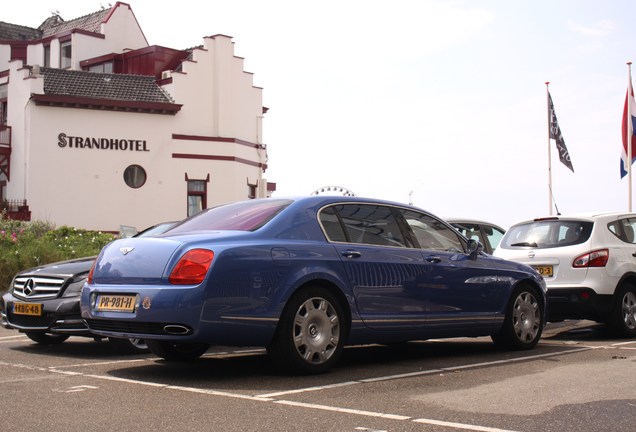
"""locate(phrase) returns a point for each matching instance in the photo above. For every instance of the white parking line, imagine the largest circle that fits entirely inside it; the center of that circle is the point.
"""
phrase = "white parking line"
(80, 388)
(124, 380)
(427, 372)
(624, 343)
(263, 398)
(343, 410)
(101, 363)
(13, 339)
(270, 397)
(460, 425)
(224, 354)
(219, 393)
(308, 389)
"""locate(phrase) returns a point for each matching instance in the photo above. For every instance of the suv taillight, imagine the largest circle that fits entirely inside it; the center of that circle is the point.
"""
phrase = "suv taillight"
(597, 258)
(192, 267)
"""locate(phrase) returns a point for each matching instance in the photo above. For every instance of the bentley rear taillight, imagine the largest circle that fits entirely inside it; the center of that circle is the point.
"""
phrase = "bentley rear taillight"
(90, 273)
(192, 267)
(597, 258)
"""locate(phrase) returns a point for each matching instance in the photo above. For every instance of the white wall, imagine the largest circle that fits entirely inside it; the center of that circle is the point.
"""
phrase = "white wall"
(5, 55)
(20, 88)
(218, 96)
(35, 54)
(219, 100)
(84, 187)
(121, 32)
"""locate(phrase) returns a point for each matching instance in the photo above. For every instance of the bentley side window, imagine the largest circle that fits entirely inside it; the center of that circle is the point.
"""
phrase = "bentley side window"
(367, 224)
(331, 225)
(432, 233)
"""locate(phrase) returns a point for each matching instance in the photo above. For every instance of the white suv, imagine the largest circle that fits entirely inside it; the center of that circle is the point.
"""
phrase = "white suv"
(588, 263)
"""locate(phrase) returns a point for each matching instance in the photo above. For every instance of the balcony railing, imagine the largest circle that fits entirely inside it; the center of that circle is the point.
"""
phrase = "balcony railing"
(5, 151)
(5, 136)
(15, 210)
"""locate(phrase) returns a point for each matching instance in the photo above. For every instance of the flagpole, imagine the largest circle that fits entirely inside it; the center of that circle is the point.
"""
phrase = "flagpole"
(629, 140)
(547, 97)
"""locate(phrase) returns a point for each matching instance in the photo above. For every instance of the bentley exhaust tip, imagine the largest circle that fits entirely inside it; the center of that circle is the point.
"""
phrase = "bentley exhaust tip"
(175, 329)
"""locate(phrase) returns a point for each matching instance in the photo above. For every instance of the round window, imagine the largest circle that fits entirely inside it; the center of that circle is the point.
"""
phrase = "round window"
(135, 176)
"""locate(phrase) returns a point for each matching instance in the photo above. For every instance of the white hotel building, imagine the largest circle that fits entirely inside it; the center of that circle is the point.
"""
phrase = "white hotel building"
(98, 129)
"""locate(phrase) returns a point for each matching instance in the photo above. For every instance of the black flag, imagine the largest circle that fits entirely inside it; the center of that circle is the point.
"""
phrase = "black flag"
(555, 134)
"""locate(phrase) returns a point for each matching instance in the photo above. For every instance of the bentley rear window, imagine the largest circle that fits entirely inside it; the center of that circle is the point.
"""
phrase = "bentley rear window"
(242, 216)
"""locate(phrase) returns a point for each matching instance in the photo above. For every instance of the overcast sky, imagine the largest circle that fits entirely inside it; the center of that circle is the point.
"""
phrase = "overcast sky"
(440, 102)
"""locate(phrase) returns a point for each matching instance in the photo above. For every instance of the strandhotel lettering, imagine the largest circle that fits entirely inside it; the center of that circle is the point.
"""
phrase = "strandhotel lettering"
(64, 140)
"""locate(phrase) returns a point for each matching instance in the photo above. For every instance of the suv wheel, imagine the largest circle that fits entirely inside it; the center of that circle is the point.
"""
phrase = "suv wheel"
(623, 315)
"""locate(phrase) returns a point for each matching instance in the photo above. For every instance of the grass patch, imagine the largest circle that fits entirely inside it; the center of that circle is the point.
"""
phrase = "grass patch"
(29, 244)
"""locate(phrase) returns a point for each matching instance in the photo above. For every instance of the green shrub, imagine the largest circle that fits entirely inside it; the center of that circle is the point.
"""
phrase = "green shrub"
(29, 244)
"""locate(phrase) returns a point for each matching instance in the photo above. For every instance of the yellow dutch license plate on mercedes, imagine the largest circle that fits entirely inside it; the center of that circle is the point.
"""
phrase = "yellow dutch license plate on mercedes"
(34, 309)
(115, 303)
(545, 270)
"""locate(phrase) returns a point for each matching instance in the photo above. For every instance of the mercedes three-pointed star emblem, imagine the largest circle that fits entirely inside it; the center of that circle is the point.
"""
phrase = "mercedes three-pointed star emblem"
(29, 287)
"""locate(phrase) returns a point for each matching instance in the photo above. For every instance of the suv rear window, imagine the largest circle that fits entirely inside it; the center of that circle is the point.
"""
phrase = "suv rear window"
(544, 234)
(624, 229)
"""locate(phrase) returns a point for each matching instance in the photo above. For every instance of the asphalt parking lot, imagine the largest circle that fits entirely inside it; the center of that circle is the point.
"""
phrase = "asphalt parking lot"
(577, 379)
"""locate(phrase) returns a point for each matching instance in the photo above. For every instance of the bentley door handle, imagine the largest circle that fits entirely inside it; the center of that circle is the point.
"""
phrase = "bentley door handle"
(351, 253)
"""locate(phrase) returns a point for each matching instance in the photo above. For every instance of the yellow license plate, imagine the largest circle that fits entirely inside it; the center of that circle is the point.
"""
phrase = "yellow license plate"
(115, 303)
(545, 271)
(34, 309)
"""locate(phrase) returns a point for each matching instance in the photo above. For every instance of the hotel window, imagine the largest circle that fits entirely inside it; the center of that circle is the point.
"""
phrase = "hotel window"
(65, 54)
(106, 67)
(47, 56)
(3, 103)
(19, 52)
(135, 176)
(197, 193)
(251, 191)
(3, 112)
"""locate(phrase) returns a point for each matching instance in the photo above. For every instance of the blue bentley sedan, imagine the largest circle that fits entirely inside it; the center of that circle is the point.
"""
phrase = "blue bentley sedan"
(304, 277)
